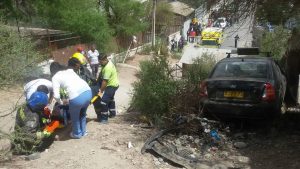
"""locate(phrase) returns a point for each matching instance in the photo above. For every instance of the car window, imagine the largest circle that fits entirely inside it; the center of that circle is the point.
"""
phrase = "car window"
(209, 42)
(250, 69)
(278, 72)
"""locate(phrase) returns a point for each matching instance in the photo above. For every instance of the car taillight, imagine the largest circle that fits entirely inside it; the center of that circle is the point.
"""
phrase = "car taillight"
(269, 93)
(203, 89)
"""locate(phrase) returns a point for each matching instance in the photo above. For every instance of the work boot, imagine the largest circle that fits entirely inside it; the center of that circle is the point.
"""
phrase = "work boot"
(112, 115)
(104, 117)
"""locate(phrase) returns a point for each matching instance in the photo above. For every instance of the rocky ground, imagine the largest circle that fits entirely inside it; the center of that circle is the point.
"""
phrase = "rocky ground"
(118, 144)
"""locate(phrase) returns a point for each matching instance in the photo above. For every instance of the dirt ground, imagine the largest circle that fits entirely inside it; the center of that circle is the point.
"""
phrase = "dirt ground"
(107, 146)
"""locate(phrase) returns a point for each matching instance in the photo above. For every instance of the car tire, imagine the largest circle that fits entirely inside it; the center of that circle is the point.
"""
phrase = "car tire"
(281, 109)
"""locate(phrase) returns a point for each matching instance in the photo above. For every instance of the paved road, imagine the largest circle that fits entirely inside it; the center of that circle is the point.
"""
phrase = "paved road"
(243, 30)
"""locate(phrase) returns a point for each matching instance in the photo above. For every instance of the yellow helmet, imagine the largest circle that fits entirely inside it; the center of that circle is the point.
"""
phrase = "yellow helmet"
(80, 57)
(194, 20)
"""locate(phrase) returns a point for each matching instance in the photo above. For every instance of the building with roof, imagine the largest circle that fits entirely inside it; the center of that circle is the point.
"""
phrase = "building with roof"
(183, 13)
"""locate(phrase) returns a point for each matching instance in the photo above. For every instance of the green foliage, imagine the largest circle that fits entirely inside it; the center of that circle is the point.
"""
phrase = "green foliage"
(155, 88)
(18, 56)
(160, 48)
(146, 49)
(275, 42)
(201, 68)
(176, 55)
(24, 142)
(125, 17)
(189, 90)
(280, 12)
(81, 17)
(159, 96)
(94, 20)
(164, 16)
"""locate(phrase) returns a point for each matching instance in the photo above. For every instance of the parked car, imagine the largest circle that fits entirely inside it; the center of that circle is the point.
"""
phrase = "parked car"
(221, 23)
(244, 87)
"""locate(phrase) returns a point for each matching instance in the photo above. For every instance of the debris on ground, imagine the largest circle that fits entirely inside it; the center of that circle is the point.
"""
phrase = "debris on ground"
(199, 141)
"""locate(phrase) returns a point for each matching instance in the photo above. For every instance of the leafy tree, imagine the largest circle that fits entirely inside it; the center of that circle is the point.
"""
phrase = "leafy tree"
(164, 17)
(275, 42)
(19, 57)
(81, 17)
(125, 17)
(93, 20)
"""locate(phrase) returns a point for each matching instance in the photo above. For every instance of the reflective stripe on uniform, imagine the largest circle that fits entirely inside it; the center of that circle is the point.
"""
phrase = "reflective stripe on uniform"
(22, 114)
(104, 113)
(103, 103)
(112, 109)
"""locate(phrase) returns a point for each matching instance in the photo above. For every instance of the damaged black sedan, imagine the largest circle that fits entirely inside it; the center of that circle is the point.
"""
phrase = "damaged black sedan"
(247, 87)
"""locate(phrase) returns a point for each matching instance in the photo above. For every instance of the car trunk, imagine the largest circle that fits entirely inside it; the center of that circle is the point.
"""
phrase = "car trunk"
(235, 90)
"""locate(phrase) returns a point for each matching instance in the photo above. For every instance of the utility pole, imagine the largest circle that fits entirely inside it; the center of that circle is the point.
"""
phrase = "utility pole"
(153, 22)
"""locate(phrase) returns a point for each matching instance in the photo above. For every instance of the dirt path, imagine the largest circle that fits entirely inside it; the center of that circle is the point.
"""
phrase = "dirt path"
(105, 146)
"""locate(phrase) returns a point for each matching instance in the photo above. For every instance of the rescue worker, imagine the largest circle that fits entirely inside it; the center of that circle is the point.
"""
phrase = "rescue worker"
(79, 96)
(82, 71)
(87, 76)
(79, 54)
(30, 123)
(42, 85)
(109, 83)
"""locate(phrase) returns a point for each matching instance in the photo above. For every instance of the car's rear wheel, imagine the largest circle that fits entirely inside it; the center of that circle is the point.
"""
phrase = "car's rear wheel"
(281, 109)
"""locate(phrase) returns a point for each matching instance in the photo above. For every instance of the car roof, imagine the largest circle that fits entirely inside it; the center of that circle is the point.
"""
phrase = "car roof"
(248, 58)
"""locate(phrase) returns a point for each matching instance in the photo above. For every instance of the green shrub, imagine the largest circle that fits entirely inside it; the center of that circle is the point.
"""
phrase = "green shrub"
(160, 97)
(18, 56)
(160, 48)
(146, 49)
(189, 90)
(176, 55)
(275, 42)
(201, 68)
(155, 88)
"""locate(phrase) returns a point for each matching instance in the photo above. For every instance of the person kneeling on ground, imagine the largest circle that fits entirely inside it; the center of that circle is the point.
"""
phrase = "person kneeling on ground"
(30, 123)
(41, 85)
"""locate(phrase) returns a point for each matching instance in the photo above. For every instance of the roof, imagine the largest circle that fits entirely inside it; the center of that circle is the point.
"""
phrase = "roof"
(212, 29)
(252, 57)
(181, 8)
(37, 31)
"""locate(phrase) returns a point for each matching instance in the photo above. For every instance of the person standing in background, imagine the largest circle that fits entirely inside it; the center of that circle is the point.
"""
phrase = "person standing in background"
(93, 56)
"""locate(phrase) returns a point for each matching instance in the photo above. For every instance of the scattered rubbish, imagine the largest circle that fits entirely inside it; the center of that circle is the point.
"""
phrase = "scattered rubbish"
(192, 156)
(33, 156)
(207, 130)
(129, 145)
(57, 138)
(214, 134)
(239, 136)
(240, 145)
